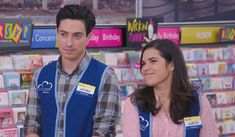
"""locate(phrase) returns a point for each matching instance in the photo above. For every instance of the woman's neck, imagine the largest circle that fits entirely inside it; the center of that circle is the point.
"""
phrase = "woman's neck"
(162, 91)
(163, 98)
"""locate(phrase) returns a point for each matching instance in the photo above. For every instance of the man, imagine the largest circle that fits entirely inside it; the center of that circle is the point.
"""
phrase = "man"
(76, 96)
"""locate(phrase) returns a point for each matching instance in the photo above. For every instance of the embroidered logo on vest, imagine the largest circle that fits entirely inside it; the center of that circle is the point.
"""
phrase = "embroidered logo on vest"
(44, 87)
(143, 123)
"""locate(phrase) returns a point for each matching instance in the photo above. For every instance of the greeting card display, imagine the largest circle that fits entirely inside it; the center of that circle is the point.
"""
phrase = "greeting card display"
(6, 63)
(25, 78)
(35, 62)
(46, 59)
(11, 80)
(212, 98)
(19, 115)
(122, 59)
(202, 70)
(127, 74)
(111, 59)
(20, 131)
(1, 81)
(134, 57)
(17, 97)
(137, 75)
(6, 118)
(21, 62)
(99, 56)
(4, 98)
(8, 132)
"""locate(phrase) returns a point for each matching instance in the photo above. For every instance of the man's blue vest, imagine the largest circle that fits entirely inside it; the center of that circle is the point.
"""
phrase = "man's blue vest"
(80, 106)
(145, 119)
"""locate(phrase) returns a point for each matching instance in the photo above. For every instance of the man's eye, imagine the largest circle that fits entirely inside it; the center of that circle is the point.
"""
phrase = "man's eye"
(63, 34)
(78, 36)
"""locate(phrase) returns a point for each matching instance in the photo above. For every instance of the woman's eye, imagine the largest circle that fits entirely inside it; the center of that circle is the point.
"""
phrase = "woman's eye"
(153, 61)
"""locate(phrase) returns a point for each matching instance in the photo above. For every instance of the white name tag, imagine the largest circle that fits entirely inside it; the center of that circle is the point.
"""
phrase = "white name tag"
(192, 122)
(85, 88)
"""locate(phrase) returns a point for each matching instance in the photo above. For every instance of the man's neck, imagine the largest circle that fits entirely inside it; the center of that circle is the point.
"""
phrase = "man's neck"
(69, 66)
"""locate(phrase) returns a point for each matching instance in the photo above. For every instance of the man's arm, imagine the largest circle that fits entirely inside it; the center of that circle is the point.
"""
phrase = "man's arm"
(32, 125)
(108, 108)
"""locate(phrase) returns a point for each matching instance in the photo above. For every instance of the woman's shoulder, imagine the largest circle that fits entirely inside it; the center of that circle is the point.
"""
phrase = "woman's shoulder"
(129, 107)
(127, 100)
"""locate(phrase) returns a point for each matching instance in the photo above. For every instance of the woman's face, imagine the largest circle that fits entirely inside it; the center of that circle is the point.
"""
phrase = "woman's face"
(155, 69)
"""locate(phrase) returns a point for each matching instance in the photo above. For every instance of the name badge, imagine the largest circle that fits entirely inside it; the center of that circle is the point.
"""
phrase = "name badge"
(193, 122)
(85, 89)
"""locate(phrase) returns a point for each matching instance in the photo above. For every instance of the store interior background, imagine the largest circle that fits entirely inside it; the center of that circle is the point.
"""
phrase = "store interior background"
(219, 86)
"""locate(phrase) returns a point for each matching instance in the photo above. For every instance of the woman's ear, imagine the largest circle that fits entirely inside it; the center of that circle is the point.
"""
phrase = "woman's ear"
(171, 66)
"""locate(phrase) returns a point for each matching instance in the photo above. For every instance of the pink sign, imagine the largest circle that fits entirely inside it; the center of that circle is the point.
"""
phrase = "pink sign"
(95, 38)
(106, 38)
(169, 33)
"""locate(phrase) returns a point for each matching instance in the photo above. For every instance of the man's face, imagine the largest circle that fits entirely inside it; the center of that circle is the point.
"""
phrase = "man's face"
(72, 39)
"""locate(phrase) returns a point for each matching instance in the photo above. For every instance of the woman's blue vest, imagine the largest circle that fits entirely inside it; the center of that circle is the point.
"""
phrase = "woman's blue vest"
(80, 106)
(145, 119)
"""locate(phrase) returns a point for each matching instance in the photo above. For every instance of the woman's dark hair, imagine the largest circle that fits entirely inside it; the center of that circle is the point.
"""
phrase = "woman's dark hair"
(181, 94)
(77, 12)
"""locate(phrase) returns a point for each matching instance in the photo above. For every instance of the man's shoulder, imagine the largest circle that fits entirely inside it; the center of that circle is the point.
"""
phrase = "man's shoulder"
(51, 64)
(99, 62)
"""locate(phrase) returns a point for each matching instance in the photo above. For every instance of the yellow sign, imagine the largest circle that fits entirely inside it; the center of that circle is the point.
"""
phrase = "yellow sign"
(8, 29)
(195, 35)
(16, 33)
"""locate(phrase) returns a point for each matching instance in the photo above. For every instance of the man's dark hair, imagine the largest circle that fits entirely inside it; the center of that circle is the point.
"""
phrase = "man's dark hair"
(77, 12)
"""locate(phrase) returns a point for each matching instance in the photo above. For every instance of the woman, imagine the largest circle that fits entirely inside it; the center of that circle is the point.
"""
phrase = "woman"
(169, 105)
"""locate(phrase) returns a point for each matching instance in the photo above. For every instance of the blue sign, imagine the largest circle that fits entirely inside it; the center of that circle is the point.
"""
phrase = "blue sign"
(44, 38)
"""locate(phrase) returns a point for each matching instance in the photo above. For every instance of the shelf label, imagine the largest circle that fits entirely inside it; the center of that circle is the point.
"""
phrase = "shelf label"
(169, 33)
(106, 37)
(195, 35)
(44, 38)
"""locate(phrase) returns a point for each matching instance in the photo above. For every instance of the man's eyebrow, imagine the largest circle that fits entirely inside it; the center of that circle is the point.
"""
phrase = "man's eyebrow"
(80, 33)
(63, 31)
(73, 33)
